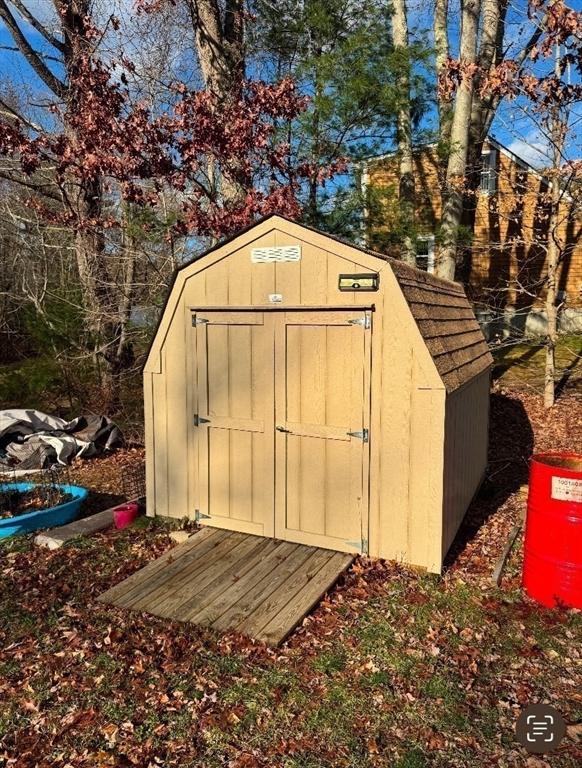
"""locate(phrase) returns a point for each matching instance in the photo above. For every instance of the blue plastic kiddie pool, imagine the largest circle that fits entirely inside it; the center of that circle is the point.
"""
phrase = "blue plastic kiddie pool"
(43, 518)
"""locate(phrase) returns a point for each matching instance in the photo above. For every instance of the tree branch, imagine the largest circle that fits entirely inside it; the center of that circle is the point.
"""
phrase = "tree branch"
(494, 101)
(14, 113)
(34, 22)
(41, 69)
(535, 36)
(15, 49)
(441, 44)
(39, 188)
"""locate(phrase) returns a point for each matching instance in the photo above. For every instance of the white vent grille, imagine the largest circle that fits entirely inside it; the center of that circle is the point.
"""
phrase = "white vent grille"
(270, 255)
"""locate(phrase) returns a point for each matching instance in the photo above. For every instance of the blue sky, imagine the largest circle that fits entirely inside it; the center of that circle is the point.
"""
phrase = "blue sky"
(515, 125)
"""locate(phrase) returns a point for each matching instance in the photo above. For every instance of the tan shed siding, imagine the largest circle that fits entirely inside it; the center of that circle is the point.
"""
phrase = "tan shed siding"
(148, 408)
(236, 282)
(177, 418)
(159, 460)
(168, 462)
(389, 538)
(409, 398)
(466, 436)
(426, 478)
(229, 282)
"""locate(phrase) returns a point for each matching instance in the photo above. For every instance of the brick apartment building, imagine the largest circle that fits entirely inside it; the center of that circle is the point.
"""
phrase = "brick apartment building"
(504, 263)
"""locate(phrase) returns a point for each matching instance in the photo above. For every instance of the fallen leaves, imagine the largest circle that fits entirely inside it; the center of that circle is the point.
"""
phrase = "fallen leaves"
(519, 426)
(393, 668)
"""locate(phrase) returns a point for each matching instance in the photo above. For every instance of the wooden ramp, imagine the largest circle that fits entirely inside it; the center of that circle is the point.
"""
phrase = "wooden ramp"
(233, 582)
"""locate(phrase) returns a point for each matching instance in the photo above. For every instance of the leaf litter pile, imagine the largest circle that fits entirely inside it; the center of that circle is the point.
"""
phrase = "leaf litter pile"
(394, 668)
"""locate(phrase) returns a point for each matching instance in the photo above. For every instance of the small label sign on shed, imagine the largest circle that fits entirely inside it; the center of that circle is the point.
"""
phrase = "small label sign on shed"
(566, 489)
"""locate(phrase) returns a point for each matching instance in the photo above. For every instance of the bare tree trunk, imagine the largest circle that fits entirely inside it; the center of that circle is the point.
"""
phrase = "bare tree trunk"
(219, 42)
(453, 202)
(490, 53)
(106, 304)
(99, 289)
(221, 54)
(126, 288)
(558, 130)
(441, 44)
(312, 206)
(492, 50)
(551, 309)
(99, 306)
(465, 125)
(482, 111)
(406, 191)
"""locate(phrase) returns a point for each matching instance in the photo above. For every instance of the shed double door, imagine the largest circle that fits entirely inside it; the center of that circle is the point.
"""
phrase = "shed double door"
(281, 428)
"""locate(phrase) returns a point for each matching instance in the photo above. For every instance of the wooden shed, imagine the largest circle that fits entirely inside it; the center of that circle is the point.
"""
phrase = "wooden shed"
(305, 389)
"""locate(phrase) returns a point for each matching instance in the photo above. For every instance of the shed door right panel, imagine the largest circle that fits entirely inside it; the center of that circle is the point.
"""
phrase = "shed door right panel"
(322, 404)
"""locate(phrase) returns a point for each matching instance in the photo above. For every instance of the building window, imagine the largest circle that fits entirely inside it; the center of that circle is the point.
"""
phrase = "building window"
(425, 253)
(489, 171)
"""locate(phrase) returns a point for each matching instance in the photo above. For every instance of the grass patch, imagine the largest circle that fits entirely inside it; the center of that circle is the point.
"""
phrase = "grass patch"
(376, 680)
(440, 687)
(522, 364)
(374, 632)
(19, 543)
(332, 661)
(414, 758)
(334, 716)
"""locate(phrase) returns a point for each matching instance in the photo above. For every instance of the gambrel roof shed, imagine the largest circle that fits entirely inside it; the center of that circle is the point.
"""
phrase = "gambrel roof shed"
(302, 388)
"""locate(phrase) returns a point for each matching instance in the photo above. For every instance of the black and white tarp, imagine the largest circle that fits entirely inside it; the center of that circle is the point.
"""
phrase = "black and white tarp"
(31, 439)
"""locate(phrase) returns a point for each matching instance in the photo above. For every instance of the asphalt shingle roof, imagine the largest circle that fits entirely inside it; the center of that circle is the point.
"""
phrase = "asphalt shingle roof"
(447, 324)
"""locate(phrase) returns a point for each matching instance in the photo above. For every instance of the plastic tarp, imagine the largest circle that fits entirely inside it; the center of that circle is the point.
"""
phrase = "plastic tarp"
(31, 439)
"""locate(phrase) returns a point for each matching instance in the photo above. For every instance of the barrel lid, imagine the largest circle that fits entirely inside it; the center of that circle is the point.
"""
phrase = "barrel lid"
(565, 461)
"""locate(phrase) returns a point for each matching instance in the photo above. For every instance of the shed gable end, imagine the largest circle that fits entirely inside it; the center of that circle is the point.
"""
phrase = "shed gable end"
(280, 263)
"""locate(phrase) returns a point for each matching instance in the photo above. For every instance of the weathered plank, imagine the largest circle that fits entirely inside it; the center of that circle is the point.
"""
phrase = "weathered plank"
(235, 592)
(186, 567)
(233, 582)
(151, 568)
(54, 538)
(173, 597)
(191, 610)
(304, 600)
(282, 588)
(283, 574)
(168, 569)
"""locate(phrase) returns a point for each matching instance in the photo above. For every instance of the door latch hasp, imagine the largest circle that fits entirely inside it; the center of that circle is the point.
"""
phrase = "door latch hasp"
(363, 435)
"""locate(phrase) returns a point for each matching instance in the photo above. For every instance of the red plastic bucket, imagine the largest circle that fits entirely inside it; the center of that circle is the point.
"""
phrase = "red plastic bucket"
(125, 514)
(552, 566)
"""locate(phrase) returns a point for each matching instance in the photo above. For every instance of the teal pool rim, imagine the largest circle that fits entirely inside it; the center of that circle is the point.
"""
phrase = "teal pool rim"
(43, 518)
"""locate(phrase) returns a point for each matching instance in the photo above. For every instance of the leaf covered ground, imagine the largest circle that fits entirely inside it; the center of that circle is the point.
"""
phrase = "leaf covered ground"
(394, 668)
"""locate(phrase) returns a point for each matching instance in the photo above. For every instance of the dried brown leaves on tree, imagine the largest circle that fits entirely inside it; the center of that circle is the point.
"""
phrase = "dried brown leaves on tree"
(109, 153)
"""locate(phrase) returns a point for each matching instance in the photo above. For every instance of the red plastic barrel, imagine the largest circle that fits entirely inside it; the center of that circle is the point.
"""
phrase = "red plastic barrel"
(552, 567)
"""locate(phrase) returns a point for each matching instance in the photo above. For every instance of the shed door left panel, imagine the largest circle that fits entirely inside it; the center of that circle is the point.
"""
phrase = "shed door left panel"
(234, 439)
